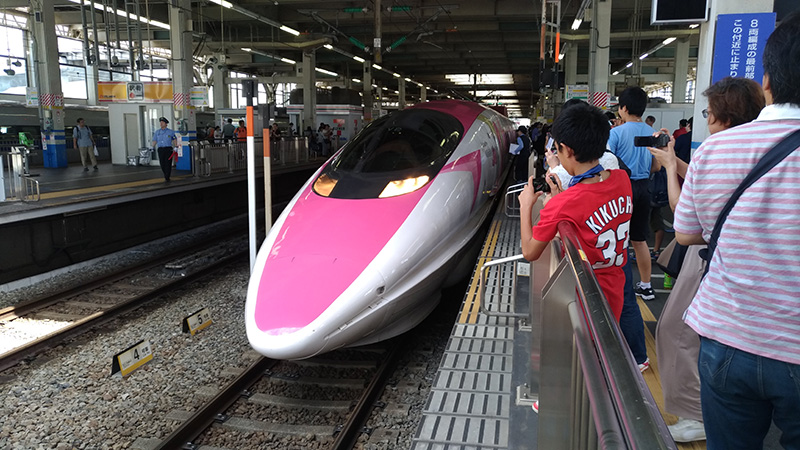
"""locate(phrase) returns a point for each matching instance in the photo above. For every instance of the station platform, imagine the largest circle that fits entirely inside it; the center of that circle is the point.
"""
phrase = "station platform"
(63, 189)
(82, 215)
(475, 401)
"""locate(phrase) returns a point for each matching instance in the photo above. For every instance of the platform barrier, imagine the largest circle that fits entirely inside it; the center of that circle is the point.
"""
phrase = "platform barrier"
(17, 183)
(591, 393)
(610, 405)
(232, 156)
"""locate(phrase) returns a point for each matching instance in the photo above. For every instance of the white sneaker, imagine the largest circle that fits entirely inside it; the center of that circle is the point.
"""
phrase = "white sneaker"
(687, 430)
(645, 365)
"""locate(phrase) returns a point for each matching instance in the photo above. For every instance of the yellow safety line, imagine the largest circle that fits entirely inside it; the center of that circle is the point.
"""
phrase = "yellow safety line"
(471, 306)
(647, 314)
(105, 188)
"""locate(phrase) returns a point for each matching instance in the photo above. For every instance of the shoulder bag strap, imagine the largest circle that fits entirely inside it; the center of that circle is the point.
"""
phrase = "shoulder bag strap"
(771, 159)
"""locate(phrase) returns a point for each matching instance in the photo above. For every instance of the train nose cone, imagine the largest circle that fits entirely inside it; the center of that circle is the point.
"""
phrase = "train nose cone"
(295, 293)
(296, 290)
(296, 308)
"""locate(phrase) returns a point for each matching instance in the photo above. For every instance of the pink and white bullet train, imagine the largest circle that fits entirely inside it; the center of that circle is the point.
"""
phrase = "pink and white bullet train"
(362, 251)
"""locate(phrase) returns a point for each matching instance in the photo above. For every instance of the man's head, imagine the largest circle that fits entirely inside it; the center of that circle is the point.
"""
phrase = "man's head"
(571, 102)
(633, 101)
(80, 121)
(584, 130)
(522, 130)
(682, 123)
(230, 121)
(781, 70)
(689, 123)
(241, 123)
(163, 122)
(651, 120)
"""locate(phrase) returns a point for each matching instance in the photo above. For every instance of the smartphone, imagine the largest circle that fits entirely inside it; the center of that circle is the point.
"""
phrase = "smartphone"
(649, 141)
(549, 146)
(541, 185)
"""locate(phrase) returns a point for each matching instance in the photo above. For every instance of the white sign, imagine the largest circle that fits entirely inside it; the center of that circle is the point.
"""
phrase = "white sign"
(199, 96)
(135, 91)
(31, 96)
(579, 91)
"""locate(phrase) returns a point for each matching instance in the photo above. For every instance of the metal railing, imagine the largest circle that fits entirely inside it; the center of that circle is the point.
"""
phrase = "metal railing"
(232, 156)
(604, 403)
(17, 184)
(485, 303)
(512, 200)
(591, 392)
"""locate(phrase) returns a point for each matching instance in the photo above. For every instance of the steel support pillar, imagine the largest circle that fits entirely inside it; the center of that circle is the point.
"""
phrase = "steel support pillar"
(180, 34)
(51, 97)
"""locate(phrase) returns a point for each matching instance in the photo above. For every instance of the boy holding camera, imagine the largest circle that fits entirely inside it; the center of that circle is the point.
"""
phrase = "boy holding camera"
(598, 203)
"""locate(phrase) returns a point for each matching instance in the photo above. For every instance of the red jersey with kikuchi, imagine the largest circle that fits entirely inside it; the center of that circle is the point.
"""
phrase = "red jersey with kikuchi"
(601, 213)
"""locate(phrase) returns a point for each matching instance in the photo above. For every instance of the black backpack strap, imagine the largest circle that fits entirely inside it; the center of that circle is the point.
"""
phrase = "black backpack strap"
(771, 159)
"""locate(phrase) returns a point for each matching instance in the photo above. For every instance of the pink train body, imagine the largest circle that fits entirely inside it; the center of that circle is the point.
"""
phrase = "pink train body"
(361, 252)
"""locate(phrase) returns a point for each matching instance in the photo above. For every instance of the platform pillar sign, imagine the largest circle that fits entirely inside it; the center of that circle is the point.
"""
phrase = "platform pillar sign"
(132, 358)
(739, 45)
(31, 96)
(196, 321)
(579, 91)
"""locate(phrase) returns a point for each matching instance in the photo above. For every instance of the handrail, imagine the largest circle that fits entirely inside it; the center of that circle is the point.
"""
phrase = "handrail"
(641, 423)
(511, 201)
(32, 192)
(482, 283)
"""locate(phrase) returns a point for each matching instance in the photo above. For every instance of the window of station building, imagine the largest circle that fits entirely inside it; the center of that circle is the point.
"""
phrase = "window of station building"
(12, 58)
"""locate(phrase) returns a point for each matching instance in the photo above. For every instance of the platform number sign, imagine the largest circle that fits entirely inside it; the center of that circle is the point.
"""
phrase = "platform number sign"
(132, 358)
(197, 321)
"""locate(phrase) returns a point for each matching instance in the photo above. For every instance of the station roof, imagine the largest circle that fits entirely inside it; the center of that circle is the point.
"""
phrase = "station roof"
(442, 44)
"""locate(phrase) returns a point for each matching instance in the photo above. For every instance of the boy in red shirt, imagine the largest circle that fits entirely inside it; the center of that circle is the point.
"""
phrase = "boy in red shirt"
(598, 201)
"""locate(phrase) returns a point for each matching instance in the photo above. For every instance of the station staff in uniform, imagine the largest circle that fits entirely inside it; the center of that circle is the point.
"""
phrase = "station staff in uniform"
(164, 140)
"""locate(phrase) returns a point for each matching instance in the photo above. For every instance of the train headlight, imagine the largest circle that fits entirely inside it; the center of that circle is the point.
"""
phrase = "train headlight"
(400, 187)
(324, 185)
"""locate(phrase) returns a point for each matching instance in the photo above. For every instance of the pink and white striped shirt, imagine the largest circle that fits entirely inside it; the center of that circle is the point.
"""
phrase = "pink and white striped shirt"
(750, 298)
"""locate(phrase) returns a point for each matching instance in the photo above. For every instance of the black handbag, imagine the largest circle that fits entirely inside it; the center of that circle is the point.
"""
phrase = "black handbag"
(671, 259)
(771, 159)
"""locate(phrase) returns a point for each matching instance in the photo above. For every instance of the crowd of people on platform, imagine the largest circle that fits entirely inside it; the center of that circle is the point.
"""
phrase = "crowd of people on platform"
(728, 339)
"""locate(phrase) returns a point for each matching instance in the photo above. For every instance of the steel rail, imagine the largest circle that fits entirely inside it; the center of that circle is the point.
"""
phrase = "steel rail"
(194, 426)
(15, 356)
(348, 435)
(26, 307)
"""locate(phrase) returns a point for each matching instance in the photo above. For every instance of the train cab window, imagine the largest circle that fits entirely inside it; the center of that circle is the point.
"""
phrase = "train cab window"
(394, 155)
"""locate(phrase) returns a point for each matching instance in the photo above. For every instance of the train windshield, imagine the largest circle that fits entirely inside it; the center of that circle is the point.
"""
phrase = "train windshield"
(394, 155)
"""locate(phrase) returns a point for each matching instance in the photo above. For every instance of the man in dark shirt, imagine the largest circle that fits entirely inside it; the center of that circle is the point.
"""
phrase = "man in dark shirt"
(683, 143)
(523, 152)
(228, 130)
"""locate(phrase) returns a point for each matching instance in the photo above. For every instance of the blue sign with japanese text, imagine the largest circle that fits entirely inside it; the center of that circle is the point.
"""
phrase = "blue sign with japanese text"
(739, 45)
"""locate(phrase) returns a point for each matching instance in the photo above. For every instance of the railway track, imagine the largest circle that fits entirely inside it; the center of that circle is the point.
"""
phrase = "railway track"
(319, 403)
(73, 311)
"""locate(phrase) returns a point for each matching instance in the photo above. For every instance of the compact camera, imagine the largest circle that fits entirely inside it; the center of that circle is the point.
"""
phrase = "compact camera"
(649, 141)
